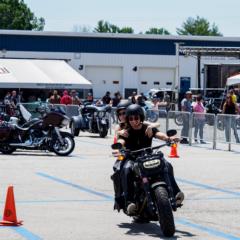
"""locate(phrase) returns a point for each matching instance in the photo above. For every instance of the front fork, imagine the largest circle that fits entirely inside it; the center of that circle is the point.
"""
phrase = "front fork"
(56, 129)
(99, 123)
(146, 187)
(169, 187)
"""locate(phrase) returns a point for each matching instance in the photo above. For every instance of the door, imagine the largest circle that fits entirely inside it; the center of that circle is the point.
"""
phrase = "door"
(104, 79)
(155, 78)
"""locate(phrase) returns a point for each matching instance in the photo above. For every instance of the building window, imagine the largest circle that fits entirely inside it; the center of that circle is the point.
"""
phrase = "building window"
(144, 83)
(115, 82)
(168, 83)
(156, 83)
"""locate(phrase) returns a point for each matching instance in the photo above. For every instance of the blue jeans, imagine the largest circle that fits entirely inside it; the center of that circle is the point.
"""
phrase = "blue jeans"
(199, 124)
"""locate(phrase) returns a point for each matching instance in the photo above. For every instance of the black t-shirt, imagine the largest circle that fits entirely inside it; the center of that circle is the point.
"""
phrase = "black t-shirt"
(230, 109)
(106, 99)
(115, 102)
(137, 139)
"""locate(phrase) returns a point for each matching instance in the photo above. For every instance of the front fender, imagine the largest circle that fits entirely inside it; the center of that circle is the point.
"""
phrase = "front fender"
(157, 184)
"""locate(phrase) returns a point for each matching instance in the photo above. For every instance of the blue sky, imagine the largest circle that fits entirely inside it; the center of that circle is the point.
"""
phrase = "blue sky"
(138, 14)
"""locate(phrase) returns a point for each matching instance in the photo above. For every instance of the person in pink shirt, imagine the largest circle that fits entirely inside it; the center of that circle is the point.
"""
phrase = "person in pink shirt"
(199, 118)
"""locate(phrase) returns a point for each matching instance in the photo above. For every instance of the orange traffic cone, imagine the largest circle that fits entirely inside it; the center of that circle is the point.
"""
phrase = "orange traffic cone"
(115, 139)
(9, 215)
(173, 153)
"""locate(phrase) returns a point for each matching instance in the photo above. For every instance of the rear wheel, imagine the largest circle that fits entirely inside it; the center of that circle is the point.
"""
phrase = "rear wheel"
(67, 147)
(6, 149)
(74, 130)
(165, 213)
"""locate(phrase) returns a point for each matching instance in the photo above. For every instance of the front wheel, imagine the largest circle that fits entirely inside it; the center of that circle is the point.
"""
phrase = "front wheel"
(7, 149)
(103, 132)
(152, 116)
(67, 147)
(165, 213)
(178, 119)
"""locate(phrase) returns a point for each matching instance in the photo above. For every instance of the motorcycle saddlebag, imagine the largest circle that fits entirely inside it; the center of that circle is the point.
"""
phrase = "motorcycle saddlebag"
(4, 133)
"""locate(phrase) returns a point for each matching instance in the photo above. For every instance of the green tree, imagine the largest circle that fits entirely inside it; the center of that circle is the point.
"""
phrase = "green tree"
(126, 30)
(106, 27)
(102, 27)
(198, 26)
(161, 31)
(15, 14)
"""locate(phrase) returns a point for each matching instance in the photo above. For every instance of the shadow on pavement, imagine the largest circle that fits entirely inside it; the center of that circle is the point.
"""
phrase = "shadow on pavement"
(151, 229)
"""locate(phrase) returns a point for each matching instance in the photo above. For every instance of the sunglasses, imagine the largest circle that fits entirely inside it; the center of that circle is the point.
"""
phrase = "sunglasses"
(134, 118)
(122, 114)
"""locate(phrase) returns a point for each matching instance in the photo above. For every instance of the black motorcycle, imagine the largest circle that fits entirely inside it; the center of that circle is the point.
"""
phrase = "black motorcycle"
(93, 119)
(37, 134)
(213, 108)
(154, 196)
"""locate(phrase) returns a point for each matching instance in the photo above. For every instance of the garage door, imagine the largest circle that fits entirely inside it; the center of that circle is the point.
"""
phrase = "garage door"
(156, 78)
(104, 79)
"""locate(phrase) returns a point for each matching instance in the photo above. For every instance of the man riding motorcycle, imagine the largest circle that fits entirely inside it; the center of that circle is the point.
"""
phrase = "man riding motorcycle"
(137, 139)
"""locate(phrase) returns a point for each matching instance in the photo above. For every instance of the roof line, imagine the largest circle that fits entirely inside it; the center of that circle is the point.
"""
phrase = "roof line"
(118, 35)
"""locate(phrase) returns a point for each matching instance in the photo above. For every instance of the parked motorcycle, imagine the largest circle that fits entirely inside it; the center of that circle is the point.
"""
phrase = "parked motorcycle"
(153, 192)
(93, 119)
(37, 134)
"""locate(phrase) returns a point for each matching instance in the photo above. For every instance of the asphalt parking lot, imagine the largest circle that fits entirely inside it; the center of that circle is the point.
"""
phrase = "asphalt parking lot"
(72, 197)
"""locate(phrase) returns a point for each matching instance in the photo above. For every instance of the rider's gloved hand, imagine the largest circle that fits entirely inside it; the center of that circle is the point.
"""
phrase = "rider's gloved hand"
(116, 153)
(174, 139)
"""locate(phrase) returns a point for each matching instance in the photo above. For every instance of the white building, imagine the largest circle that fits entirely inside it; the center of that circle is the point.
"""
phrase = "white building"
(126, 62)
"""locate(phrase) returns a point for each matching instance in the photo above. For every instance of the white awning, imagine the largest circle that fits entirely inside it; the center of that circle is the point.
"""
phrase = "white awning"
(49, 74)
(233, 80)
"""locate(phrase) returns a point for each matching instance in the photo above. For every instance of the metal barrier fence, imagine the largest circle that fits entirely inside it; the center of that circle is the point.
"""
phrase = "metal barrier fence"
(195, 127)
(198, 128)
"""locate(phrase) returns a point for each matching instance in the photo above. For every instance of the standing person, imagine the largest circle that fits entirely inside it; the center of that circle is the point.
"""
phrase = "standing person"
(115, 101)
(106, 99)
(55, 98)
(7, 98)
(233, 95)
(230, 107)
(75, 99)
(7, 103)
(66, 99)
(186, 107)
(199, 118)
(132, 98)
(90, 97)
(14, 99)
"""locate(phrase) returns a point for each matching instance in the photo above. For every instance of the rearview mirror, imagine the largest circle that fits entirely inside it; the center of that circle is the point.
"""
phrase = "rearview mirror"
(171, 132)
(116, 146)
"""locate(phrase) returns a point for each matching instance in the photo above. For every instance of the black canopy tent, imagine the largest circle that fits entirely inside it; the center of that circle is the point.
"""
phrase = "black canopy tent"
(200, 51)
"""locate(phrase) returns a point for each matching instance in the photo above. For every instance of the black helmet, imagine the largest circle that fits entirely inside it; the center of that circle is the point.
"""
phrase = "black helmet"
(122, 105)
(135, 109)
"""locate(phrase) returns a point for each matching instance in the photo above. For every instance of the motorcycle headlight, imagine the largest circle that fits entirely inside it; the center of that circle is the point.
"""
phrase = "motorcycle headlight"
(152, 163)
(65, 122)
(101, 114)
